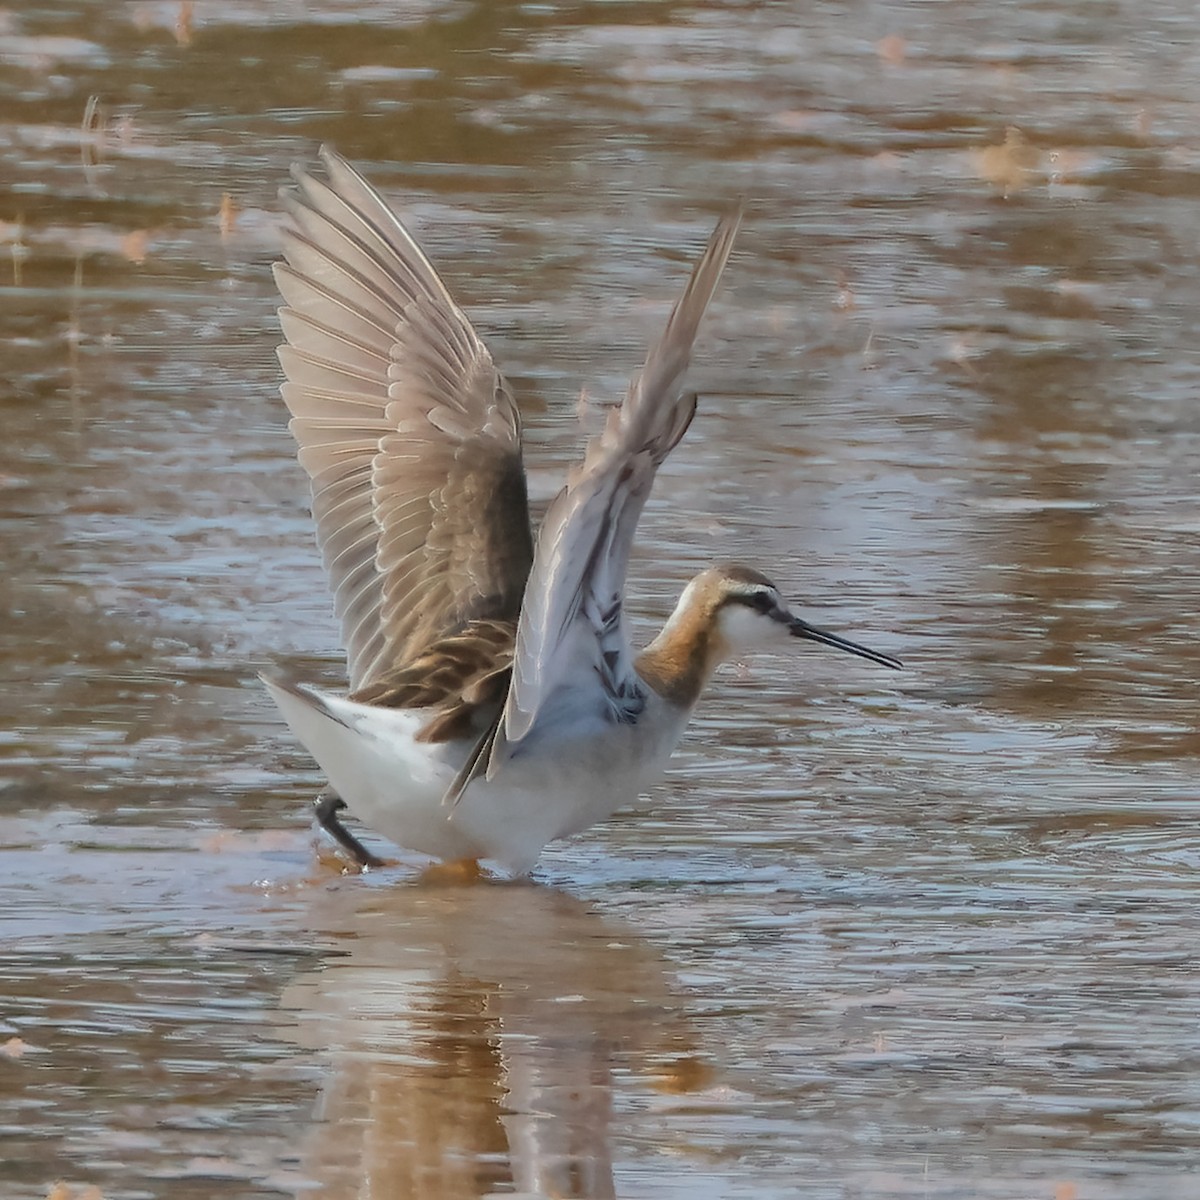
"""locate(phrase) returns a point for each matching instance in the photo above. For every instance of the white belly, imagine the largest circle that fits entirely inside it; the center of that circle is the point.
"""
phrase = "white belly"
(550, 789)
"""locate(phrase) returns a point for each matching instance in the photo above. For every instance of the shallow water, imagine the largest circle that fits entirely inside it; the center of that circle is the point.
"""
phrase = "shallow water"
(879, 935)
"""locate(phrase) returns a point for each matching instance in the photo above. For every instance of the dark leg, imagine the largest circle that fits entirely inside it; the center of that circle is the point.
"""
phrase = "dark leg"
(329, 804)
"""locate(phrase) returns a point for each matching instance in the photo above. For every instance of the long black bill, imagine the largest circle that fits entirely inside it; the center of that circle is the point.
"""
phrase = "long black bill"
(803, 629)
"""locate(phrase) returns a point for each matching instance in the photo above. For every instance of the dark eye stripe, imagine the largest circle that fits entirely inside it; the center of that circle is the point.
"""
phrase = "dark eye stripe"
(759, 601)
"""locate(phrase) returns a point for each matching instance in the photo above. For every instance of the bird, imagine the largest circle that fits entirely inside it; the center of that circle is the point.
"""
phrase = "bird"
(495, 700)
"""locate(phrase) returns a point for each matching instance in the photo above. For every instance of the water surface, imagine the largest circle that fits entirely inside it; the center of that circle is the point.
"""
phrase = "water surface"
(879, 935)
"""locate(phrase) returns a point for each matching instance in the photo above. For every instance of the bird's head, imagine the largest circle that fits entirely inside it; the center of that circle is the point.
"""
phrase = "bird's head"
(749, 615)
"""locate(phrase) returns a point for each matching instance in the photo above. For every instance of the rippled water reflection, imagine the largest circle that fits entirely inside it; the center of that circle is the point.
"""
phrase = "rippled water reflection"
(929, 936)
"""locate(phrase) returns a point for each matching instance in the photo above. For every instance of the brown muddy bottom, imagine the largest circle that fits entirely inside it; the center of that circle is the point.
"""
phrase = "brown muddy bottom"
(879, 935)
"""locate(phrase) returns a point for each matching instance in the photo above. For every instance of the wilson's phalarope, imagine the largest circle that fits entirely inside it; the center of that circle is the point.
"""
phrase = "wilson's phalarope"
(495, 702)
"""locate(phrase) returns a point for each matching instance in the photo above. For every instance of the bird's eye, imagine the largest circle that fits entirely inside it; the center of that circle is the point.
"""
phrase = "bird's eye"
(762, 602)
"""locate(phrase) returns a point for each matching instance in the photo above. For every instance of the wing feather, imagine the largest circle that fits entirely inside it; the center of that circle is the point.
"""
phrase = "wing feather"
(572, 618)
(409, 434)
(311, 299)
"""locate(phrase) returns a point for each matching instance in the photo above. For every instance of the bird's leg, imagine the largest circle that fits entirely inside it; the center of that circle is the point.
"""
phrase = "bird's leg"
(328, 805)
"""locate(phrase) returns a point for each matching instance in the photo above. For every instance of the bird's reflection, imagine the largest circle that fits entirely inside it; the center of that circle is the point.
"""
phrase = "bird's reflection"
(473, 1036)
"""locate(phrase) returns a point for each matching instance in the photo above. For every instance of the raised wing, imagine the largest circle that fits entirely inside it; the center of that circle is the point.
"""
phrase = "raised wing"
(408, 432)
(572, 644)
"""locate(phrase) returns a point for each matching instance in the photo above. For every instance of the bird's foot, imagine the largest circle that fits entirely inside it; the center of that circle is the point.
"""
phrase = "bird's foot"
(455, 874)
